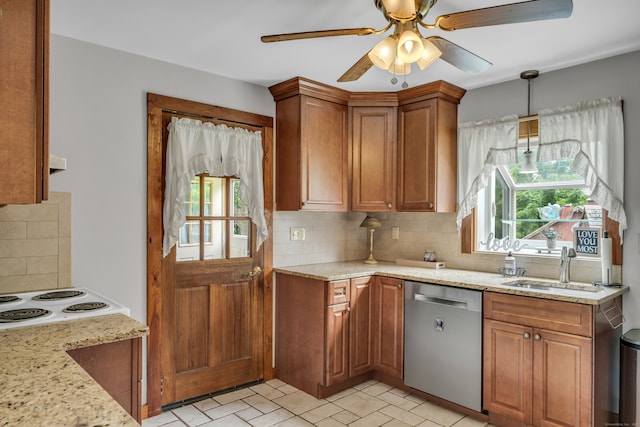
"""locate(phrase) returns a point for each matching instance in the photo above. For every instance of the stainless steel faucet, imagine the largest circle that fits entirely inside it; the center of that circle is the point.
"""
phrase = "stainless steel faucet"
(565, 263)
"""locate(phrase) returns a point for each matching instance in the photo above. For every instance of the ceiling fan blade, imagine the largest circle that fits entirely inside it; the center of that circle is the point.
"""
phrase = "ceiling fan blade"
(533, 10)
(357, 70)
(459, 57)
(314, 34)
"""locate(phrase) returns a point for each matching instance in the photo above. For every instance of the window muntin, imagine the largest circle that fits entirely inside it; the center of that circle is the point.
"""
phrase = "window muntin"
(218, 226)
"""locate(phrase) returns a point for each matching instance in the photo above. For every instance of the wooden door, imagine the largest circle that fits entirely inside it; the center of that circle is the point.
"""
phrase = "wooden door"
(210, 317)
(388, 321)
(360, 337)
(508, 370)
(337, 344)
(562, 379)
(373, 183)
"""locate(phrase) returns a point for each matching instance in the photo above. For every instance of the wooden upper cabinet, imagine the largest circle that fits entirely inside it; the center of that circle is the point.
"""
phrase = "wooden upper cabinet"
(311, 146)
(427, 147)
(24, 75)
(373, 158)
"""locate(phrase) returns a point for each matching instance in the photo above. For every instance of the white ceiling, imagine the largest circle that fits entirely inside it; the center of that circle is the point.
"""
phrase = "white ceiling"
(223, 37)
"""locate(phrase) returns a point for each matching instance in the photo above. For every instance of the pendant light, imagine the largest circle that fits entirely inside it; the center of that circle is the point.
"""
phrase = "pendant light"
(528, 165)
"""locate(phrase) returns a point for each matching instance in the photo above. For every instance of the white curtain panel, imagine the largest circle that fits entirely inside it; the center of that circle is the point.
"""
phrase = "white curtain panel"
(590, 132)
(481, 147)
(195, 147)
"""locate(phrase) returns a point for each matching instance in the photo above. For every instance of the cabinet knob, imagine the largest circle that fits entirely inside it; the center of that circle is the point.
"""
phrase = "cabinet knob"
(536, 337)
(430, 205)
(527, 336)
(389, 205)
(348, 310)
(399, 285)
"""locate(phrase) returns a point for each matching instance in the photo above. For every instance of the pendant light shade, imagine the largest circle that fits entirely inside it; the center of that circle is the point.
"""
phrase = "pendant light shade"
(399, 67)
(383, 53)
(410, 47)
(528, 165)
(429, 54)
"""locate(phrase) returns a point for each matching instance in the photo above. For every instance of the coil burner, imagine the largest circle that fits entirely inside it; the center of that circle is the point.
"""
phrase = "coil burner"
(22, 314)
(86, 306)
(58, 295)
(9, 298)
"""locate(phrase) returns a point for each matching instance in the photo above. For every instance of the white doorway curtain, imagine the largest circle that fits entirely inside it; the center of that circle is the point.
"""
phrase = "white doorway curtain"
(196, 147)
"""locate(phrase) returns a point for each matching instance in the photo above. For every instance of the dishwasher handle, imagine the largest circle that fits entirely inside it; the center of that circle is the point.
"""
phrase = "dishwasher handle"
(438, 300)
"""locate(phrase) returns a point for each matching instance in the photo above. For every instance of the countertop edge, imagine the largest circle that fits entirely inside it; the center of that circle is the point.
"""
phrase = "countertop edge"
(467, 279)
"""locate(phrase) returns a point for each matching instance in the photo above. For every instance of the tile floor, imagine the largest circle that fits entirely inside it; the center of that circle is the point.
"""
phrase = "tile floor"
(275, 403)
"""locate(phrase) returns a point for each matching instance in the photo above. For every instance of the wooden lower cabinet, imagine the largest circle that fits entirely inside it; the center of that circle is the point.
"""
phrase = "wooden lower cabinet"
(325, 333)
(539, 359)
(117, 367)
(388, 324)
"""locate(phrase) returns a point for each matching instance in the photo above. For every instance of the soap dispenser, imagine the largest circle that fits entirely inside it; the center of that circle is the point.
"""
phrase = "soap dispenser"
(509, 265)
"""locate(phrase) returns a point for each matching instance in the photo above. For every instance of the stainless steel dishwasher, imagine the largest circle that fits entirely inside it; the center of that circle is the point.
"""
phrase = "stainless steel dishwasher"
(443, 342)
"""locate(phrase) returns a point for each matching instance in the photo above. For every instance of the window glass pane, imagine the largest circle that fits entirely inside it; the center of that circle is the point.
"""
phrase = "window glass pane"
(513, 205)
(238, 206)
(208, 192)
(194, 198)
(189, 247)
(216, 246)
(216, 207)
(239, 244)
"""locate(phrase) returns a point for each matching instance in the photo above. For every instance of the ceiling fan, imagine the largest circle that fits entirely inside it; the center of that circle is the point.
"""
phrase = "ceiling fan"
(406, 45)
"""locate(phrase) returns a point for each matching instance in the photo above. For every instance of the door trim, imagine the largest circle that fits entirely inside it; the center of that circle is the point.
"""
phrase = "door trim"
(156, 105)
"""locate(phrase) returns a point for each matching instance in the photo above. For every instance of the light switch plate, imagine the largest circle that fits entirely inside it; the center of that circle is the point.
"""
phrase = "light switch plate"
(296, 233)
(395, 233)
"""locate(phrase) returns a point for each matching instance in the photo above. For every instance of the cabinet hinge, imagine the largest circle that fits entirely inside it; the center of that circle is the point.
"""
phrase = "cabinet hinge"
(161, 384)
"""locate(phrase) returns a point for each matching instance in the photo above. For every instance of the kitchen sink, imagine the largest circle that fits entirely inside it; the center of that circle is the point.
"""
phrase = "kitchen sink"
(547, 286)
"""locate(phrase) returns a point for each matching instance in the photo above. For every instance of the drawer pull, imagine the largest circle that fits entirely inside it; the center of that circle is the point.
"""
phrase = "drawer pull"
(536, 337)
(526, 335)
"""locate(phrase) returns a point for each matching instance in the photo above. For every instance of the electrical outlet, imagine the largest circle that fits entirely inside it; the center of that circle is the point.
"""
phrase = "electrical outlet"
(395, 233)
(296, 233)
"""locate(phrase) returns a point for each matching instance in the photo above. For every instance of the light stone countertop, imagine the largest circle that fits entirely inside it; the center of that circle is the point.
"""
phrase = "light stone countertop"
(584, 293)
(41, 385)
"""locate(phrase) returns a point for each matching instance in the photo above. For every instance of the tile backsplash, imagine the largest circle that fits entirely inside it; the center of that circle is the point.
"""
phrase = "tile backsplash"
(331, 237)
(35, 245)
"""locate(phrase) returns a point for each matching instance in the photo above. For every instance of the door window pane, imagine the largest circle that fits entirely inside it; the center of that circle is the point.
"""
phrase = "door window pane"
(239, 208)
(240, 238)
(215, 249)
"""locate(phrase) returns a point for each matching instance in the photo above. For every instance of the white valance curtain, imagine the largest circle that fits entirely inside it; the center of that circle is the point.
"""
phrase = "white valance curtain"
(590, 132)
(195, 147)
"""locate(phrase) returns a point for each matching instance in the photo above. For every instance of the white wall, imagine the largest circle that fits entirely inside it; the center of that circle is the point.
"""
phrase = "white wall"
(98, 121)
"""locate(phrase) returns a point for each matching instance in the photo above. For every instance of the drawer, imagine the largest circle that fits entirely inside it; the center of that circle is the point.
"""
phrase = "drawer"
(338, 292)
(557, 316)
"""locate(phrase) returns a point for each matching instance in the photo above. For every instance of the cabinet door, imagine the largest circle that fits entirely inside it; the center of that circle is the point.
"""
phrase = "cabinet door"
(388, 334)
(117, 368)
(360, 351)
(337, 344)
(427, 156)
(24, 68)
(562, 379)
(373, 184)
(323, 155)
(507, 370)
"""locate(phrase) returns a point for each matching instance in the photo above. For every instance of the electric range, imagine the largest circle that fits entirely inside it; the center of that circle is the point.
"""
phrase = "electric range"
(40, 307)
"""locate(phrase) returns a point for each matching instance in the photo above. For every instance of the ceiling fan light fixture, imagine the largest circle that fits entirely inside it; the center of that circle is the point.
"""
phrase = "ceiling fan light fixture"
(429, 54)
(410, 47)
(400, 9)
(399, 67)
(383, 53)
